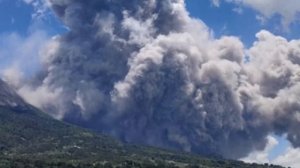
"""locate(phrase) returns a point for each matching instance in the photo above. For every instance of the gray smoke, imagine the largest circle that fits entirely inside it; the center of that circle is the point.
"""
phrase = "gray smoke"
(146, 72)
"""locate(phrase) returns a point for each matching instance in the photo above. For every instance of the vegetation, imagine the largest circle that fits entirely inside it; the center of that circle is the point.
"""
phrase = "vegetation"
(31, 139)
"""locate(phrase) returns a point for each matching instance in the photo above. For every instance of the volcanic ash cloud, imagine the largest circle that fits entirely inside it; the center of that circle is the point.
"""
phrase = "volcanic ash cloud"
(146, 72)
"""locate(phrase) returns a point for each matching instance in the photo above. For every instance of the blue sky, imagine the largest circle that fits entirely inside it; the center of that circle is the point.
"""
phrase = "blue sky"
(225, 20)
(17, 16)
(17, 22)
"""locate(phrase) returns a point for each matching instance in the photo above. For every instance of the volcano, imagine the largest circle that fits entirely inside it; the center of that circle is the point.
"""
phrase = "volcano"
(31, 138)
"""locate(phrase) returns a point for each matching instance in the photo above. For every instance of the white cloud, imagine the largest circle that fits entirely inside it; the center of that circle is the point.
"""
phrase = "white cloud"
(289, 158)
(20, 58)
(28, 1)
(20, 55)
(40, 7)
(287, 9)
(216, 3)
(262, 156)
(238, 10)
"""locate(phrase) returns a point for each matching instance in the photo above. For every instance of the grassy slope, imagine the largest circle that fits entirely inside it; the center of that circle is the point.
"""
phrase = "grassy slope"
(30, 138)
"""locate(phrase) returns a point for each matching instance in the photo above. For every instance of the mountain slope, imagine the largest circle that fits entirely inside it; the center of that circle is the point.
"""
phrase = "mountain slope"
(30, 138)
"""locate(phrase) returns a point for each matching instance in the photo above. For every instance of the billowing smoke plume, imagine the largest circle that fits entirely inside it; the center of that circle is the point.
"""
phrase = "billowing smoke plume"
(146, 72)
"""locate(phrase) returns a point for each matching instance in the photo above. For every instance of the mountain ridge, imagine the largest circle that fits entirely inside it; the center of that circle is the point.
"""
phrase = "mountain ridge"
(9, 97)
(31, 138)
